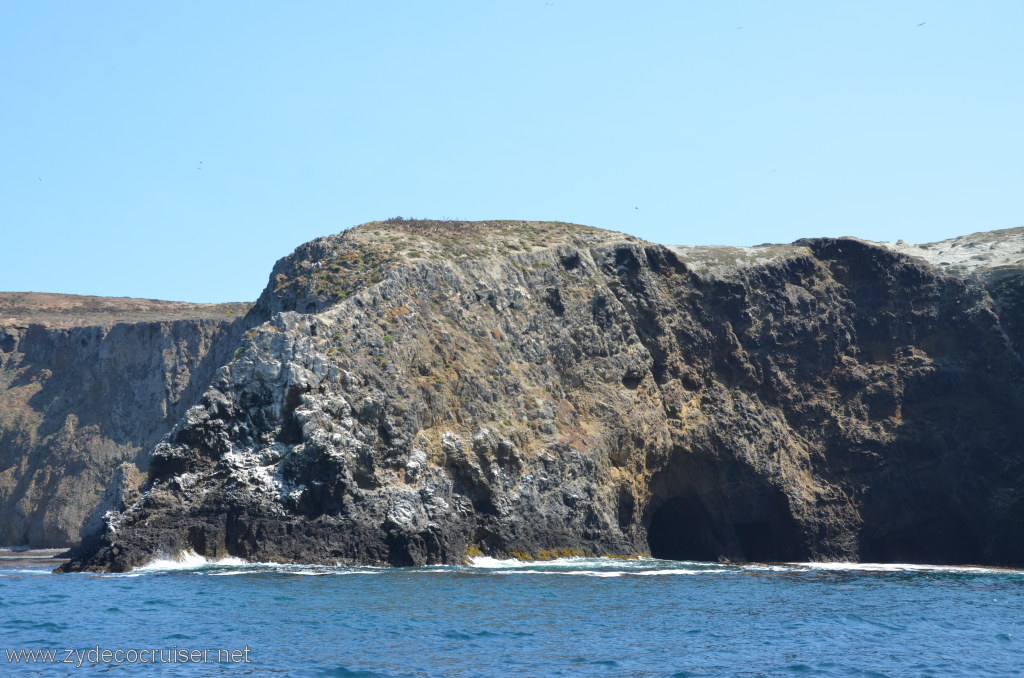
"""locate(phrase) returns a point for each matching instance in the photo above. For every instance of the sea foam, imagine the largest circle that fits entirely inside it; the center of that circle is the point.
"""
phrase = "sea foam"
(188, 560)
(904, 567)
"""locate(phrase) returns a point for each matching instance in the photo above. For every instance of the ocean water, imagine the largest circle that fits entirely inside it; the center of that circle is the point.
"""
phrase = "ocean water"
(573, 617)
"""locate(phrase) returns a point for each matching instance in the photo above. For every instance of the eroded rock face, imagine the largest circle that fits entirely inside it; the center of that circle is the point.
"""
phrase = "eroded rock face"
(81, 407)
(426, 390)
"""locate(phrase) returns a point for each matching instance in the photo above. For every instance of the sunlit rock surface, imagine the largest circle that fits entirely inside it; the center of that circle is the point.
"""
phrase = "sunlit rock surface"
(413, 392)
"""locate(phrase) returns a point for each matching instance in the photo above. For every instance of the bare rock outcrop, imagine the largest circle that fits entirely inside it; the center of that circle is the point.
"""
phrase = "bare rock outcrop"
(84, 399)
(420, 391)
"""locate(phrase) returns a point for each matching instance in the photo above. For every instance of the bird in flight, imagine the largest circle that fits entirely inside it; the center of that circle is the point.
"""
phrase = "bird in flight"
(922, 24)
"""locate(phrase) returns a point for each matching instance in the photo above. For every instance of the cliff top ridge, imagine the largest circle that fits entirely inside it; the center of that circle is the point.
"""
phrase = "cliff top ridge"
(72, 310)
(331, 267)
(977, 253)
(450, 238)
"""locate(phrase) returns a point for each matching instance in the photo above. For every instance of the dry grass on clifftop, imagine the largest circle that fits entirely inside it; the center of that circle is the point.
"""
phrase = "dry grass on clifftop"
(71, 310)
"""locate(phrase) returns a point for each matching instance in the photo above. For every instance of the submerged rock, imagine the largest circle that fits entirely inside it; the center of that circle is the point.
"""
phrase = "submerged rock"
(421, 391)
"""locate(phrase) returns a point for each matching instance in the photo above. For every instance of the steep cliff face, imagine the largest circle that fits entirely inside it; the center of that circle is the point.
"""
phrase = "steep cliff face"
(82, 405)
(425, 390)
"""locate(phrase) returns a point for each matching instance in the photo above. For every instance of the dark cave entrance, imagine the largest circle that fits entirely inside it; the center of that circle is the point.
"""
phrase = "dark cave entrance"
(753, 525)
(682, 529)
(710, 507)
(944, 540)
(767, 541)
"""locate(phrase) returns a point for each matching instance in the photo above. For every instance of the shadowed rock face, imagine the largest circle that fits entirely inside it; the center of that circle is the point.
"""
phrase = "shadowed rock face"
(82, 405)
(424, 390)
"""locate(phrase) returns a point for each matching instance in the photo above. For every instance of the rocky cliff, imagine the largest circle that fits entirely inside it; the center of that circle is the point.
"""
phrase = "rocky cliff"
(88, 386)
(421, 391)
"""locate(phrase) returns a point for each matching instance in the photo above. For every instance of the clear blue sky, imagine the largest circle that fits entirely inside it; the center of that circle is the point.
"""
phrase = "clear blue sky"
(681, 122)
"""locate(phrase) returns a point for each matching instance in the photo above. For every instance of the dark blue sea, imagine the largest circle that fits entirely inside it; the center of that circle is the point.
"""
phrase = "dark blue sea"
(573, 617)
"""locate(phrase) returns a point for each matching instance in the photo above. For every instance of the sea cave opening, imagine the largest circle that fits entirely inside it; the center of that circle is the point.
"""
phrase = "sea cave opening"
(946, 539)
(682, 529)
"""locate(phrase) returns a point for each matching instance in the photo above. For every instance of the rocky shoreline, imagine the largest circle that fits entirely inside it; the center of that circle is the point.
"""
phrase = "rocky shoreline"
(21, 558)
(410, 393)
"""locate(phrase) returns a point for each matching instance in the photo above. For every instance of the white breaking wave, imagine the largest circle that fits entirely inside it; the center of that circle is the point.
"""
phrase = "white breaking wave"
(188, 560)
(582, 567)
(650, 573)
(903, 567)
(611, 567)
(488, 563)
(10, 571)
(566, 573)
(296, 570)
(601, 567)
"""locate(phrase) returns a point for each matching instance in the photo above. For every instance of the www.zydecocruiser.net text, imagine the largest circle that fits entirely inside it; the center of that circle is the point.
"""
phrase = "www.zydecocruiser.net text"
(98, 655)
